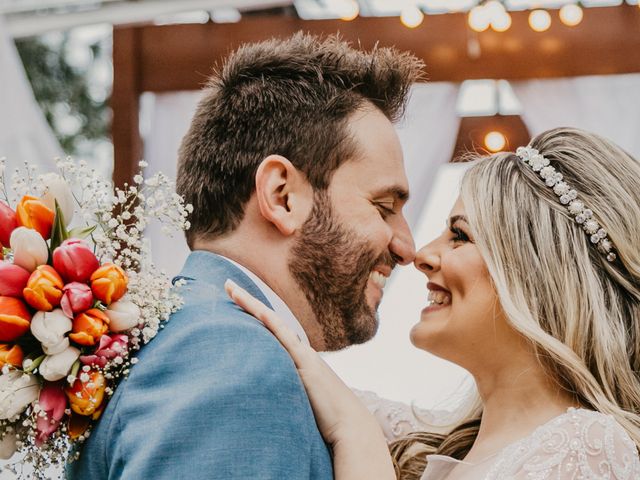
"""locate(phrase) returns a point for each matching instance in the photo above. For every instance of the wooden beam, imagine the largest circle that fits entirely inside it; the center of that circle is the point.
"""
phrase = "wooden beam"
(125, 102)
(180, 57)
(473, 130)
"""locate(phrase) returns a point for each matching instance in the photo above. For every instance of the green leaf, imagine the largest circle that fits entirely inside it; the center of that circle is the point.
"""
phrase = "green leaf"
(35, 364)
(59, 232)
(81, 232)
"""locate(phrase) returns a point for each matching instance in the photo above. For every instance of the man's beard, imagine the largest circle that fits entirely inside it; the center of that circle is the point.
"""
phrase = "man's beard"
(331, 264)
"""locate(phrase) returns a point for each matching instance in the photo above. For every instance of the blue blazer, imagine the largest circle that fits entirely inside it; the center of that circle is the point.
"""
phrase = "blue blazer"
(213, 396)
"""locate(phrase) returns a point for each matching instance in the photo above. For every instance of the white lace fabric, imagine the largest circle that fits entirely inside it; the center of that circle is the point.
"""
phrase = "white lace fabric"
(577, 445)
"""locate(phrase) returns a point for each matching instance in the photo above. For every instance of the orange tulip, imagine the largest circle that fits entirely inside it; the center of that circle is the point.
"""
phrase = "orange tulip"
(44, 289)
(78, 424)
(89, 326)
(109, 283)
(31, 212)
(85, 397)
(15, 319)
(11, 354)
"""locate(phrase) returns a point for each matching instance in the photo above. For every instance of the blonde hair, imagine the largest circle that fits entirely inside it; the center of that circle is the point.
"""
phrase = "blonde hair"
(581, 312)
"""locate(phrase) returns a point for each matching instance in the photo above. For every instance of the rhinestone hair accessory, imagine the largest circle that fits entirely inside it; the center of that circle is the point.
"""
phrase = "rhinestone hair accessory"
(569, 197)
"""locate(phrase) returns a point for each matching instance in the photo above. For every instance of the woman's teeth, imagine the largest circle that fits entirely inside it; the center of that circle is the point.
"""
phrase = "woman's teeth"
(379, 279)
(438, 297)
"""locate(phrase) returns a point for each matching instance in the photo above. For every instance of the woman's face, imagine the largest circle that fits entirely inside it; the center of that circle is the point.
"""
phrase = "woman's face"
(464, 322)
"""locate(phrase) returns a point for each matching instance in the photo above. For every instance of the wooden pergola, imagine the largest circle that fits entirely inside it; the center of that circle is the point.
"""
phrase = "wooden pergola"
(180, 57)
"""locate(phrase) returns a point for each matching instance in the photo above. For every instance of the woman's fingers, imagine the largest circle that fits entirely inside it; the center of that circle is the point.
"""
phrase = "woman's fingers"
(268, 317)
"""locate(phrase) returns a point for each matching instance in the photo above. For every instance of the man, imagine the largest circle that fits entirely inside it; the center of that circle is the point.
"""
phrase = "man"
(296, 177)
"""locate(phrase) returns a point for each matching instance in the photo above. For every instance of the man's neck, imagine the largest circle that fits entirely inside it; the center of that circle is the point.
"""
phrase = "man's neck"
(270, 266)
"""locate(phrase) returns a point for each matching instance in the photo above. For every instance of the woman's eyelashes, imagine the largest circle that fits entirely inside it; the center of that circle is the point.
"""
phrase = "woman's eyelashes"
(458, 235)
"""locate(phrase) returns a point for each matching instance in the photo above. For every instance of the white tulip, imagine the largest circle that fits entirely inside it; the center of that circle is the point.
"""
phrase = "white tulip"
(56, 188)
(123, 315)
(29, 248)
(58, 366)
(17, 391)
(50, 328)
(7, 446)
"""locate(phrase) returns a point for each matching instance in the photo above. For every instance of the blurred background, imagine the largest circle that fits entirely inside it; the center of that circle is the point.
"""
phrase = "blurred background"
(115, 81)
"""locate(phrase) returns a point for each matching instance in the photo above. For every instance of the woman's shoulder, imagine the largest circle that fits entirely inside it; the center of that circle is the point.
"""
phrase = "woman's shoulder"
(577, 444)
(398, 419)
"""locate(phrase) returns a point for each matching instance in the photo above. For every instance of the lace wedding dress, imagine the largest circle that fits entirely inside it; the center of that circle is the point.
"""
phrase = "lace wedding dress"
(577, 445)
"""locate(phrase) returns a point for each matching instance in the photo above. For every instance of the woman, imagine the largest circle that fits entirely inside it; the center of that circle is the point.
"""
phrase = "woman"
(535, 289)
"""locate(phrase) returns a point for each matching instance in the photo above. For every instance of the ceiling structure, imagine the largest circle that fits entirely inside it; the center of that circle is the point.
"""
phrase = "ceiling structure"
(33, 17)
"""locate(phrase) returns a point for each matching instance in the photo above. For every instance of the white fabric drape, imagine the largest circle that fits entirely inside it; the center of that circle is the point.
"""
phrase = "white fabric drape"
(428, 134)
(608, 105)
(25, 135)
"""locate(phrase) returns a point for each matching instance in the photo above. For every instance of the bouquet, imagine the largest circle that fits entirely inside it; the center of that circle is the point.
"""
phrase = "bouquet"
(75, 303)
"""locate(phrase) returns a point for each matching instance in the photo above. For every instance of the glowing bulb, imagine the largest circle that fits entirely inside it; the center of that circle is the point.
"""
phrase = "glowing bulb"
(501, 23)
(349, 10)
(571, 15)
(539, 20)
(494, 8)
(411, 17)
(479, 18)
(495, 141)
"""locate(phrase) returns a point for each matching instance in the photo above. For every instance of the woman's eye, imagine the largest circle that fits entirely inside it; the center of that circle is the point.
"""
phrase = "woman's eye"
(458, 235)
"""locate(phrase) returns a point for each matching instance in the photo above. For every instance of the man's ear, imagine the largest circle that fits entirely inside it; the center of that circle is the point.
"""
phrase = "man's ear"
(284, 195)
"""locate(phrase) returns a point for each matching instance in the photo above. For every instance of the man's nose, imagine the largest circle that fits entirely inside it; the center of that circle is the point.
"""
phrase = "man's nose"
(402, 245)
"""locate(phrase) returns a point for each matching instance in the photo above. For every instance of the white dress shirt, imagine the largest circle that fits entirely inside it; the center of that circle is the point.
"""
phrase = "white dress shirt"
(281, 308)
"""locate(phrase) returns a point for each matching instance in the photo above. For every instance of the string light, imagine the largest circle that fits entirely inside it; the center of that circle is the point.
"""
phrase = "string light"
(479, 18)
(495, 141)
(411, 16)
(349, 10)
(571, 15)
(502, 22)
(539, 20)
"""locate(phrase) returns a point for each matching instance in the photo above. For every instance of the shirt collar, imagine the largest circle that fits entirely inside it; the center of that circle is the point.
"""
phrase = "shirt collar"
(281, 308)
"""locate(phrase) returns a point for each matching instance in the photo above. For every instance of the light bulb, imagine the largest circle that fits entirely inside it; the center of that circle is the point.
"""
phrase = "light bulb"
(479, 18)
(349, 10)
(571, 15)
(501, 23)
(494, 141)
(411, 17)
(539, 20)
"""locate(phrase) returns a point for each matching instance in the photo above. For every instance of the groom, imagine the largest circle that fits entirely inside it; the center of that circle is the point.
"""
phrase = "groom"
(297, 181)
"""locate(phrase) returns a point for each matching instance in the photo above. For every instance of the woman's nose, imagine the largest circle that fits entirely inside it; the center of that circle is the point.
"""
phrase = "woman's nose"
(427, 258)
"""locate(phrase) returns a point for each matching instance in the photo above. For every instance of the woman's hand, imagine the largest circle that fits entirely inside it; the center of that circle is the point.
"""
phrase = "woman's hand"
(359, 448)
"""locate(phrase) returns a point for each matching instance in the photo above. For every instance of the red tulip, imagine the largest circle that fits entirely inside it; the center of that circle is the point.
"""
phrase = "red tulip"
(8, 223)
(53, 403)
(76, 297)
(75, 261)
(110, 347)
(15, 319)
(13, 279)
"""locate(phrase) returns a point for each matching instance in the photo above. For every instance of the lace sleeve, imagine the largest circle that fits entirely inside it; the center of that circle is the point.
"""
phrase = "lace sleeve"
(397, 419)
(585, 444)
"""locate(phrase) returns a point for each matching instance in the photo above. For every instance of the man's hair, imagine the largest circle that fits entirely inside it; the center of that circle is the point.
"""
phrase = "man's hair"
(287, 97)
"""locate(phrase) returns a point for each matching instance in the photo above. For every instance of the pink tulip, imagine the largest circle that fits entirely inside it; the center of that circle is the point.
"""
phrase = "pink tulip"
(110, 347)
(53, 402)
(76, 297)
(8, 223)
(13, 279)
(75, 261)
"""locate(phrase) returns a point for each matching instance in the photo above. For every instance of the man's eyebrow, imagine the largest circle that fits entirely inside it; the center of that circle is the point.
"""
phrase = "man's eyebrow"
(457, 218)
(396, 191)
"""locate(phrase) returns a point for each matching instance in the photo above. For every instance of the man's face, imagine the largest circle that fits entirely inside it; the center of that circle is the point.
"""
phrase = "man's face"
(355, 235)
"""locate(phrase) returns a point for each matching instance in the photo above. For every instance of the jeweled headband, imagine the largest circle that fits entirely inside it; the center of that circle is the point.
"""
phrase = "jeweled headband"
(569, 197)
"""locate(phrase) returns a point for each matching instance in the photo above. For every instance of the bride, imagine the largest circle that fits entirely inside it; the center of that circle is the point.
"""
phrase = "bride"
(534, 288)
